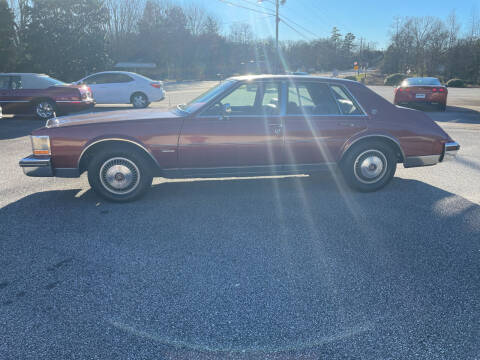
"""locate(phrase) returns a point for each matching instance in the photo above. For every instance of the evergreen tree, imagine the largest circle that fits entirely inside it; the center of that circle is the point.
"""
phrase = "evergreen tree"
(7, 38)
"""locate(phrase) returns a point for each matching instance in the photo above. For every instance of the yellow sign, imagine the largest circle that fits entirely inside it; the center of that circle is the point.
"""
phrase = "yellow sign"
(355, 67)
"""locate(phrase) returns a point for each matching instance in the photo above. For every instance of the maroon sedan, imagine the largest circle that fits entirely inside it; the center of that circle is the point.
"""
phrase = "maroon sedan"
(245, 126)
(426, 90)
(22, 93)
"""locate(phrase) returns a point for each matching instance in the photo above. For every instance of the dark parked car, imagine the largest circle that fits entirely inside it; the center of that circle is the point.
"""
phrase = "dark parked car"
(426, 90)
(259, 125)
(38, 94)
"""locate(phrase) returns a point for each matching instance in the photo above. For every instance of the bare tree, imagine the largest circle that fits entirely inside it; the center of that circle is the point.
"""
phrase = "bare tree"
(196, 19)
(241, 33)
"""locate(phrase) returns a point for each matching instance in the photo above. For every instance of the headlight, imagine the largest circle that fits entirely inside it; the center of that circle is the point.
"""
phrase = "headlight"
(40, 145)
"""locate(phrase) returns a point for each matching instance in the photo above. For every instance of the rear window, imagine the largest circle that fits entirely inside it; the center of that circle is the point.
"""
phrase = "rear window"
(39, 82)
(311, 99)
(421, 81)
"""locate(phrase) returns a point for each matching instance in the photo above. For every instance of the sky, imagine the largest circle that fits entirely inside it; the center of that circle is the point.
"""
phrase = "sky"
(370, 19)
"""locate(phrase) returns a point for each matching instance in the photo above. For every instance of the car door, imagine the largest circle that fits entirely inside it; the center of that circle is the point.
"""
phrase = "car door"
(319, 119)
(241, 129)
(99, 84)
(5, 94)
(120, 87)
(15, 98)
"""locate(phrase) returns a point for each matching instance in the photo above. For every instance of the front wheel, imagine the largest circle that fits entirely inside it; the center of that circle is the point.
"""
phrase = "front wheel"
(119, 175)
(369, 166)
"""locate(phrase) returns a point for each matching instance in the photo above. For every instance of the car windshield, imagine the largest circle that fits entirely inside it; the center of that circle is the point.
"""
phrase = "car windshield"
(421, 81)
(204, 98)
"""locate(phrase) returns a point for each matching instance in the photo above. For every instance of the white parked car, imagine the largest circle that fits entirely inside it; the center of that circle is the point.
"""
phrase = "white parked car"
(122, 87)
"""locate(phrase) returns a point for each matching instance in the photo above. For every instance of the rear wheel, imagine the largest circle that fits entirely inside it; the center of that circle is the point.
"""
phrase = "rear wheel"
(119, 175)
(369, 166)
(45, 109)
(140, 100)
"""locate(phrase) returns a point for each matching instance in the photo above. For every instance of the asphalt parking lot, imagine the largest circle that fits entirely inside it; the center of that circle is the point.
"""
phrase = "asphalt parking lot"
(265, 268)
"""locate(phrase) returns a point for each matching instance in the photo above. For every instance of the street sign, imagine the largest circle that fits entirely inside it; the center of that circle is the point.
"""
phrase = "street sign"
(355, 67)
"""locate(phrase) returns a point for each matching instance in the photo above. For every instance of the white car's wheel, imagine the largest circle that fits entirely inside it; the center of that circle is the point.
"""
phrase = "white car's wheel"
(139, 100)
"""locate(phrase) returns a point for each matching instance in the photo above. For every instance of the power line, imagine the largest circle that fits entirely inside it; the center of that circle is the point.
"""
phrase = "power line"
(245, 7)
(283, 18)
(295, 30)
(258, 5)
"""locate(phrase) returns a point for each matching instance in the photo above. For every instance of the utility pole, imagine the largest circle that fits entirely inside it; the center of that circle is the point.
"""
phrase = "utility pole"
(277, 22)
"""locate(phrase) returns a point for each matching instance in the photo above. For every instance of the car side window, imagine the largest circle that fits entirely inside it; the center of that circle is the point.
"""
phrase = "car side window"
(311, 99)
(345, 102)
(255, 98)
(4, 82)
(119, 78)
(15, 82)
(96, 79)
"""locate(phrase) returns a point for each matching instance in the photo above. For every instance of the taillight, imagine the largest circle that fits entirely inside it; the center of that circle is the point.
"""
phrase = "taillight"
(434, 89)
(156, 85)
(441, 89)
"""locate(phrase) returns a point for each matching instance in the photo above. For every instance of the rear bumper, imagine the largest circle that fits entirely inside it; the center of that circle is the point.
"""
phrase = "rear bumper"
(157, 96)
(37, 167)
(449, 152)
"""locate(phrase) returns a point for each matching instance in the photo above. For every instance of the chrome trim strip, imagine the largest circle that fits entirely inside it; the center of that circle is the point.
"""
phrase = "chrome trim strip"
(427, 160)
(74, 101)
(116, 139)
(15, 101)
(242, 171)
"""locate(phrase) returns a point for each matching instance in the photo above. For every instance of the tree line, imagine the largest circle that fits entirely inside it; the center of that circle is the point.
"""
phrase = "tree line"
(69, 39)
(435, 47)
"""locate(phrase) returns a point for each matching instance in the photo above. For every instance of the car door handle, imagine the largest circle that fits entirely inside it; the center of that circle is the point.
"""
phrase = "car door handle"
(277, 128)
(346, 124)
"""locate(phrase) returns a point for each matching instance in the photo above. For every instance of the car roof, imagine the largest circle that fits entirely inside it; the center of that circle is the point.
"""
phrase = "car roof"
(422, 77)
(18, 74)
(113, 72)
(290, 77)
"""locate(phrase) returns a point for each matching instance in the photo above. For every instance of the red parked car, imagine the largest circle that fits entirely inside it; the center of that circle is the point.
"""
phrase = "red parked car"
(258, 125)
(22, 93)
(425, 90)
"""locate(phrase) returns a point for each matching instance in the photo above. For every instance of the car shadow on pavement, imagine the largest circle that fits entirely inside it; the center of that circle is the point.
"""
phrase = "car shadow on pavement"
(274, 268)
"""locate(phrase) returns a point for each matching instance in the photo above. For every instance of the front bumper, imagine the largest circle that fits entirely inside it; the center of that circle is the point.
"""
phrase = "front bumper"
(37, 167)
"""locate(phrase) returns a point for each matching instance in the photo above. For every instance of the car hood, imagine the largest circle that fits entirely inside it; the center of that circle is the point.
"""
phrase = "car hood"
(111, 116)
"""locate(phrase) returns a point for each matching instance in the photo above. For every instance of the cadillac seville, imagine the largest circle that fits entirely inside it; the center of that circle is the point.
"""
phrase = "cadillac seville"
(244, 126)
